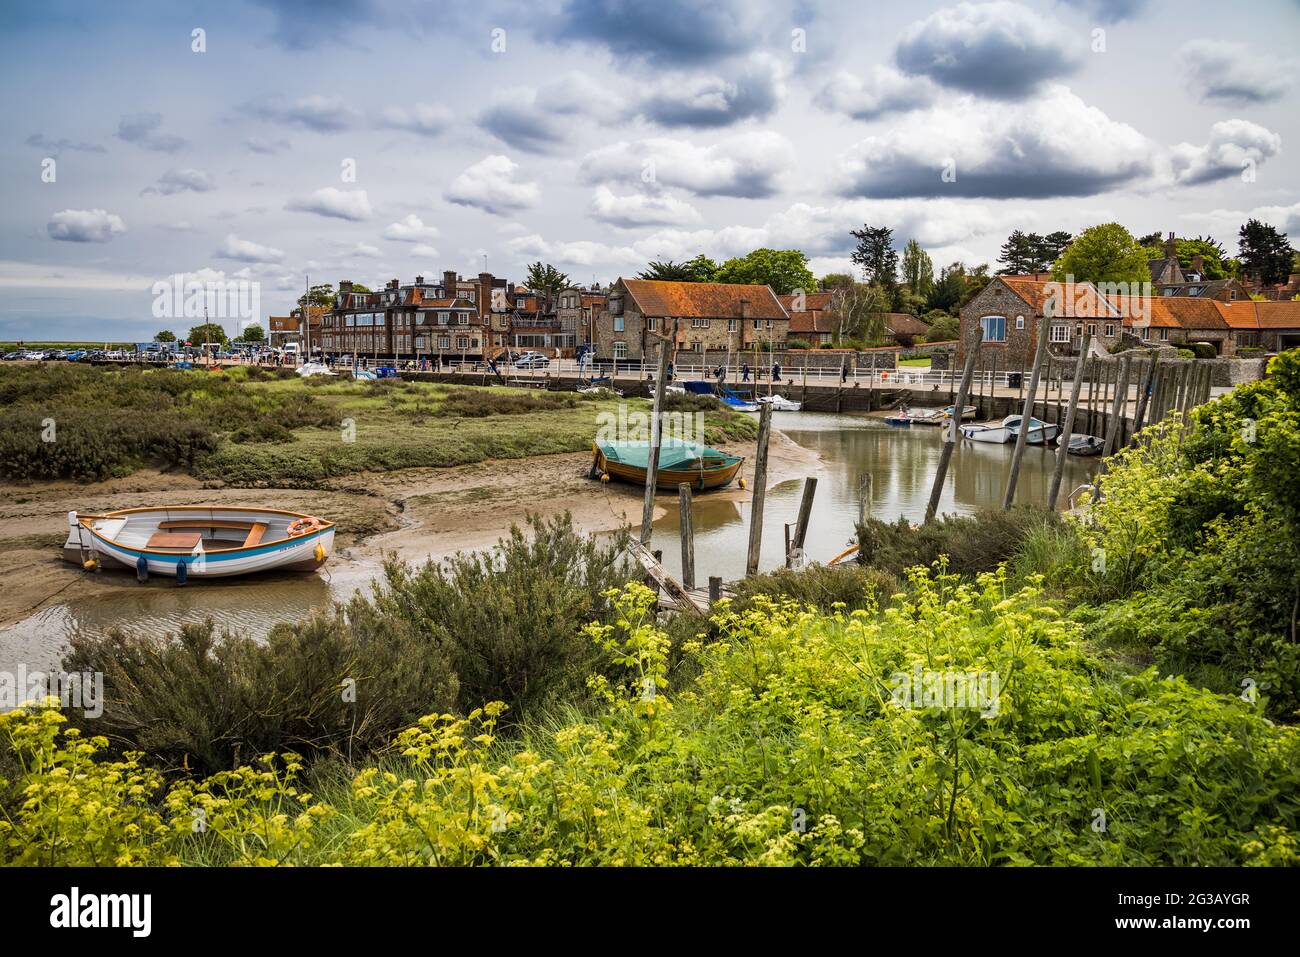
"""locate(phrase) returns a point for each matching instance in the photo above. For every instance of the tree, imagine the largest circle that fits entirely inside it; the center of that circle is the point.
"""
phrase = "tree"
(875, 254)
(1105, 253)
(320, 295)
(1017, 253)
(944, 328)
(836, 280)
(785, 270)
(1030, 252)
(918, 269)
(1265, 253)
(948, 290)
(699, 269)
(1052, 246)
(208, 332)
(360, 287)
(976, 279)
(858, 311)
(165, 335)
(1215, 261)
(252, 333)
(545, 278)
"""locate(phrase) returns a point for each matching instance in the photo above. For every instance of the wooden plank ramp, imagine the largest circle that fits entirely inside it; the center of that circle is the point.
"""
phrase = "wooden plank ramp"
(668, 586)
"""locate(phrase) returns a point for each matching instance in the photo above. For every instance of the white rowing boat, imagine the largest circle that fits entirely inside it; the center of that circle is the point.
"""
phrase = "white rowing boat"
(780, 403)
(199, 541)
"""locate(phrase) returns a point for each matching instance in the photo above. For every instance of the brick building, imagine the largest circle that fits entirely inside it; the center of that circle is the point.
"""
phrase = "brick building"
(455, 318)
(1010, 309)
(699, 315)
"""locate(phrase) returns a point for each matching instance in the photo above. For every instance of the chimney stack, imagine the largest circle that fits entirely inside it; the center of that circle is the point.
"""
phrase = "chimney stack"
(484, 294)
(419, 280)
(1171, 247)
(449, 283)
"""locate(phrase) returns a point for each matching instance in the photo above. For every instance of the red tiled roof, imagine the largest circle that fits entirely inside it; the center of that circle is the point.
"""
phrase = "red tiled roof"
(809, 323)
(663, 298)
(1085, 302)
(905, 324)
(812, 302)
(1261, 315)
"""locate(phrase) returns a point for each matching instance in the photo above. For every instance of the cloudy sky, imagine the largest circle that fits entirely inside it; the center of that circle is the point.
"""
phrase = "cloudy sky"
(373, 139)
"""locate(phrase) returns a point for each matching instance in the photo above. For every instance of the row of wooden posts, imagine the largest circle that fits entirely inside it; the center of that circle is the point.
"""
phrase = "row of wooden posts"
(1163, 390)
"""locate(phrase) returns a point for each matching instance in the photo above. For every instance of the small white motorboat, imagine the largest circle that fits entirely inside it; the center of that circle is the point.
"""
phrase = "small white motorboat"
(988, 432)
(926, 416)
(967, 413)
(1083, 444)
(780, 403)
(1039, 432)
(314, 368)
(199, 541)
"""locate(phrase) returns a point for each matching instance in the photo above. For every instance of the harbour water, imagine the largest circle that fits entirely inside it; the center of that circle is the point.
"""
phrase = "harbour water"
(901, 463)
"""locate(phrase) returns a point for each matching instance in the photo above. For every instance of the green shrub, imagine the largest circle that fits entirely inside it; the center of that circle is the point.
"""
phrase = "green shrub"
(798, 744)
(482, 402)
(503, 624)
(972, 543)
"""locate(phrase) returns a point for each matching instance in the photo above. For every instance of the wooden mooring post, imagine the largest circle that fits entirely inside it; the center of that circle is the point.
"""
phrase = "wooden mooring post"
(794, 549)
(1144, 395)
(1040, 354)
(688, 535)
(951, 433)
(652, 467)
(1120, 406)
(1063, 446)
(760, 490)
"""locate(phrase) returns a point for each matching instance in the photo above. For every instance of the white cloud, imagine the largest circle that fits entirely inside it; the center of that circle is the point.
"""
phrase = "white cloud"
(997, 49)
(247, 251)
(424, 251)
(410, 229)
(422, 118)
(884, 91)
(713, 100)
(352, 205)
(1235, 73)
(181, 181)
(1054, 145)
(320, 114)
(85, 226)
(493, 185)
(365, 249)
(538, 120)
(746, 165)
(1233, 146)
(641, 209)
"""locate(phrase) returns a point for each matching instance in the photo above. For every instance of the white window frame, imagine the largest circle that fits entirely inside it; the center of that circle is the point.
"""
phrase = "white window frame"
(984, 320)
(620, 350)
(619, 325)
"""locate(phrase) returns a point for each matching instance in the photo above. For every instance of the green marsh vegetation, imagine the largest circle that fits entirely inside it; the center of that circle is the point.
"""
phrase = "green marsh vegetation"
(771, 733)
(250, 426)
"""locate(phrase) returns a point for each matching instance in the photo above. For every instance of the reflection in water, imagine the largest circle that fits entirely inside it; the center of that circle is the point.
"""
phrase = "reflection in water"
(901, 463)
(249, 606)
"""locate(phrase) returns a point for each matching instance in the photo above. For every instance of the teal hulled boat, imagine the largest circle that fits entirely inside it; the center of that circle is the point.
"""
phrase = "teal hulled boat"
(690, 463)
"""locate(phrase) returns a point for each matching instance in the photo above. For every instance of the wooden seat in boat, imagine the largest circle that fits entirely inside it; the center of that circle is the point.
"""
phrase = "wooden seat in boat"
(185, 540)
(205, 523)
(255, 534)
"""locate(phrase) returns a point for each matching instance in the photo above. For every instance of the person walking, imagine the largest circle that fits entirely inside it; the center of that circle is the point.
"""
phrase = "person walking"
(776, 372)
(670, 372)
(744, 372)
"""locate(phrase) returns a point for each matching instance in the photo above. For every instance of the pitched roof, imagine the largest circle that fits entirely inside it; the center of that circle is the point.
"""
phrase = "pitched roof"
(720, 300)
(1036, 292)
(812, 302)
(810, 322)
(905, 324)
(1261, 315)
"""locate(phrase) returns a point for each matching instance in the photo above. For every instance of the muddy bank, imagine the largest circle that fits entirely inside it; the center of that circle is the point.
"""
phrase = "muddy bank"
(415, 513)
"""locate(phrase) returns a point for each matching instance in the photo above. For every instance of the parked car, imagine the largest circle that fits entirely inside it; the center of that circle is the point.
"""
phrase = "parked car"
(12, 355)
(532, 360)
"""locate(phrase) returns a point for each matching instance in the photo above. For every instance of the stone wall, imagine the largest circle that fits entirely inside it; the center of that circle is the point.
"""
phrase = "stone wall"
(997, 299)
(1234, 372)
